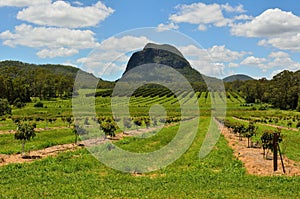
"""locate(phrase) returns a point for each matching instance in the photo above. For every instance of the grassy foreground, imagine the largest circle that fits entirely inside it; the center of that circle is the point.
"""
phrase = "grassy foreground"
(79, 175)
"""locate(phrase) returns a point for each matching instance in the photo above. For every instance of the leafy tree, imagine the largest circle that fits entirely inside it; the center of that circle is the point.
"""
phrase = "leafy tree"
(251, 131)
(147, 122)
(298, 125)
(25, 132)
(138, 122)
(289, 124)
(267, 140)
(78, 131)
(127, 123)
(69, 120)
(86, 121)
(39, 105)
(240, 129)
(282, 91)
(109, 128)
(4, 107)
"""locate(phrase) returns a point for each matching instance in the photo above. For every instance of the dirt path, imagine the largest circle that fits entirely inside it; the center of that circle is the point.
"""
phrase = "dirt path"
(36, 129)
(253, 159)
(272, 125)
(54, 150)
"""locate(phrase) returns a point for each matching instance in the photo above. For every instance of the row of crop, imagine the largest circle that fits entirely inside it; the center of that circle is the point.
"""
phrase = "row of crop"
(248, 131)
(26, 128)
(291, 121)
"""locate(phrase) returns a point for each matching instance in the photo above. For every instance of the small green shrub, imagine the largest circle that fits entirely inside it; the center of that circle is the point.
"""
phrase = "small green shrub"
(39, 105)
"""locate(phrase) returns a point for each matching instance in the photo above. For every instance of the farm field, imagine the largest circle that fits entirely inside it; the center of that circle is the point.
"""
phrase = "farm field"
(77, 174)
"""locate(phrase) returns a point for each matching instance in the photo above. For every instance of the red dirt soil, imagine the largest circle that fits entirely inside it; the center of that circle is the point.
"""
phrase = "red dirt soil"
(253, 159)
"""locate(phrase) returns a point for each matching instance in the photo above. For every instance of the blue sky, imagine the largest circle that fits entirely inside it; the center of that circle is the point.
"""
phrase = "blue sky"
(219, 38)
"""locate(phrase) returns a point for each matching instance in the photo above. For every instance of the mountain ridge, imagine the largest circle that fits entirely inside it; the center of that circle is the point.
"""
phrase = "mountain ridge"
(164, 54)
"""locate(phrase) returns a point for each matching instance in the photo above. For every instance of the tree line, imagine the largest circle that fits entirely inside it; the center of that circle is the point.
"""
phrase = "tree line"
(19, 84)
(282, 91)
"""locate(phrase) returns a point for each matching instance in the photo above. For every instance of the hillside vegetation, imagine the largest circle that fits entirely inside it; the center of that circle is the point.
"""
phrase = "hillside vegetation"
(282, 91)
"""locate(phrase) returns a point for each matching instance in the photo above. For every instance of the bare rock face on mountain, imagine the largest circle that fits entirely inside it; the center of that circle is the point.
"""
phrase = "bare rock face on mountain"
(164, 55)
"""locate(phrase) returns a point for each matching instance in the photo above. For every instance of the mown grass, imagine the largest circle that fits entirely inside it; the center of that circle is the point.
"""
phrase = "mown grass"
(52, 108)
(79, 175)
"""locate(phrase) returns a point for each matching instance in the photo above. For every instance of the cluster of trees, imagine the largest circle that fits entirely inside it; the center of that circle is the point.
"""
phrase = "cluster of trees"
(4, 107)
(266, 139)
(242, 130)
(18, 84)
(282, 91)
(19, 81)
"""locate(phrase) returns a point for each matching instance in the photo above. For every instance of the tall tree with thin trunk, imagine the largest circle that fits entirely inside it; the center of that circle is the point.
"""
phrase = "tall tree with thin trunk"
(25, 132)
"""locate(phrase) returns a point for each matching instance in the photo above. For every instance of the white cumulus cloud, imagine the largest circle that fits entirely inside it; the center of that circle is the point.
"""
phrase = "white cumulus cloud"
(163, 27)
(66, 41)
(251, 60)
(59, 52)
(272, 22)
(279, 59)
(278, 28)
(23, 3)
(237, 9)
(278, 54)
(63, 14)
(206, 15)
(211, 61)
(200, 13)
(223, 54)
(242, 17)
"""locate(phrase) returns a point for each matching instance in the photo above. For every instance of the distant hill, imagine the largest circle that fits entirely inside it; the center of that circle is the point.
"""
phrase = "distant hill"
(240, 77)
(54, 68)
(58, 69)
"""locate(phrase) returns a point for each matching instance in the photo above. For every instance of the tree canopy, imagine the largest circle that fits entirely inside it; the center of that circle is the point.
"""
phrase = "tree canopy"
(282, 91)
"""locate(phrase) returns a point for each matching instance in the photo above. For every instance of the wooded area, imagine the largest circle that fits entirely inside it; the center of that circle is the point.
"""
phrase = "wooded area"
(281, 92)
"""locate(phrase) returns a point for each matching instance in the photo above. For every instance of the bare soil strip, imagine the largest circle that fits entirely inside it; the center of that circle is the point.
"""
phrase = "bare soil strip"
(253, 159)
(54, 150)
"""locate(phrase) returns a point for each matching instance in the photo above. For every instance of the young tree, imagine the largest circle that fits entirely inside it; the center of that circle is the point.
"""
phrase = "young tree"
(127, 123)
(69, 120)
(4, 107)
(109, 128)
(78, 131)
(25, 132)
(242, 131)
(267, 140)
(86, 121)
(289, 124)
(154, 120)
(147, 121)
(138, 122)
(251, 131)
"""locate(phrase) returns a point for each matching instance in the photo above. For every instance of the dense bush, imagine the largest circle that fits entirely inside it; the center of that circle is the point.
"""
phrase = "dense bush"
(39, 105)
(4, 107)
